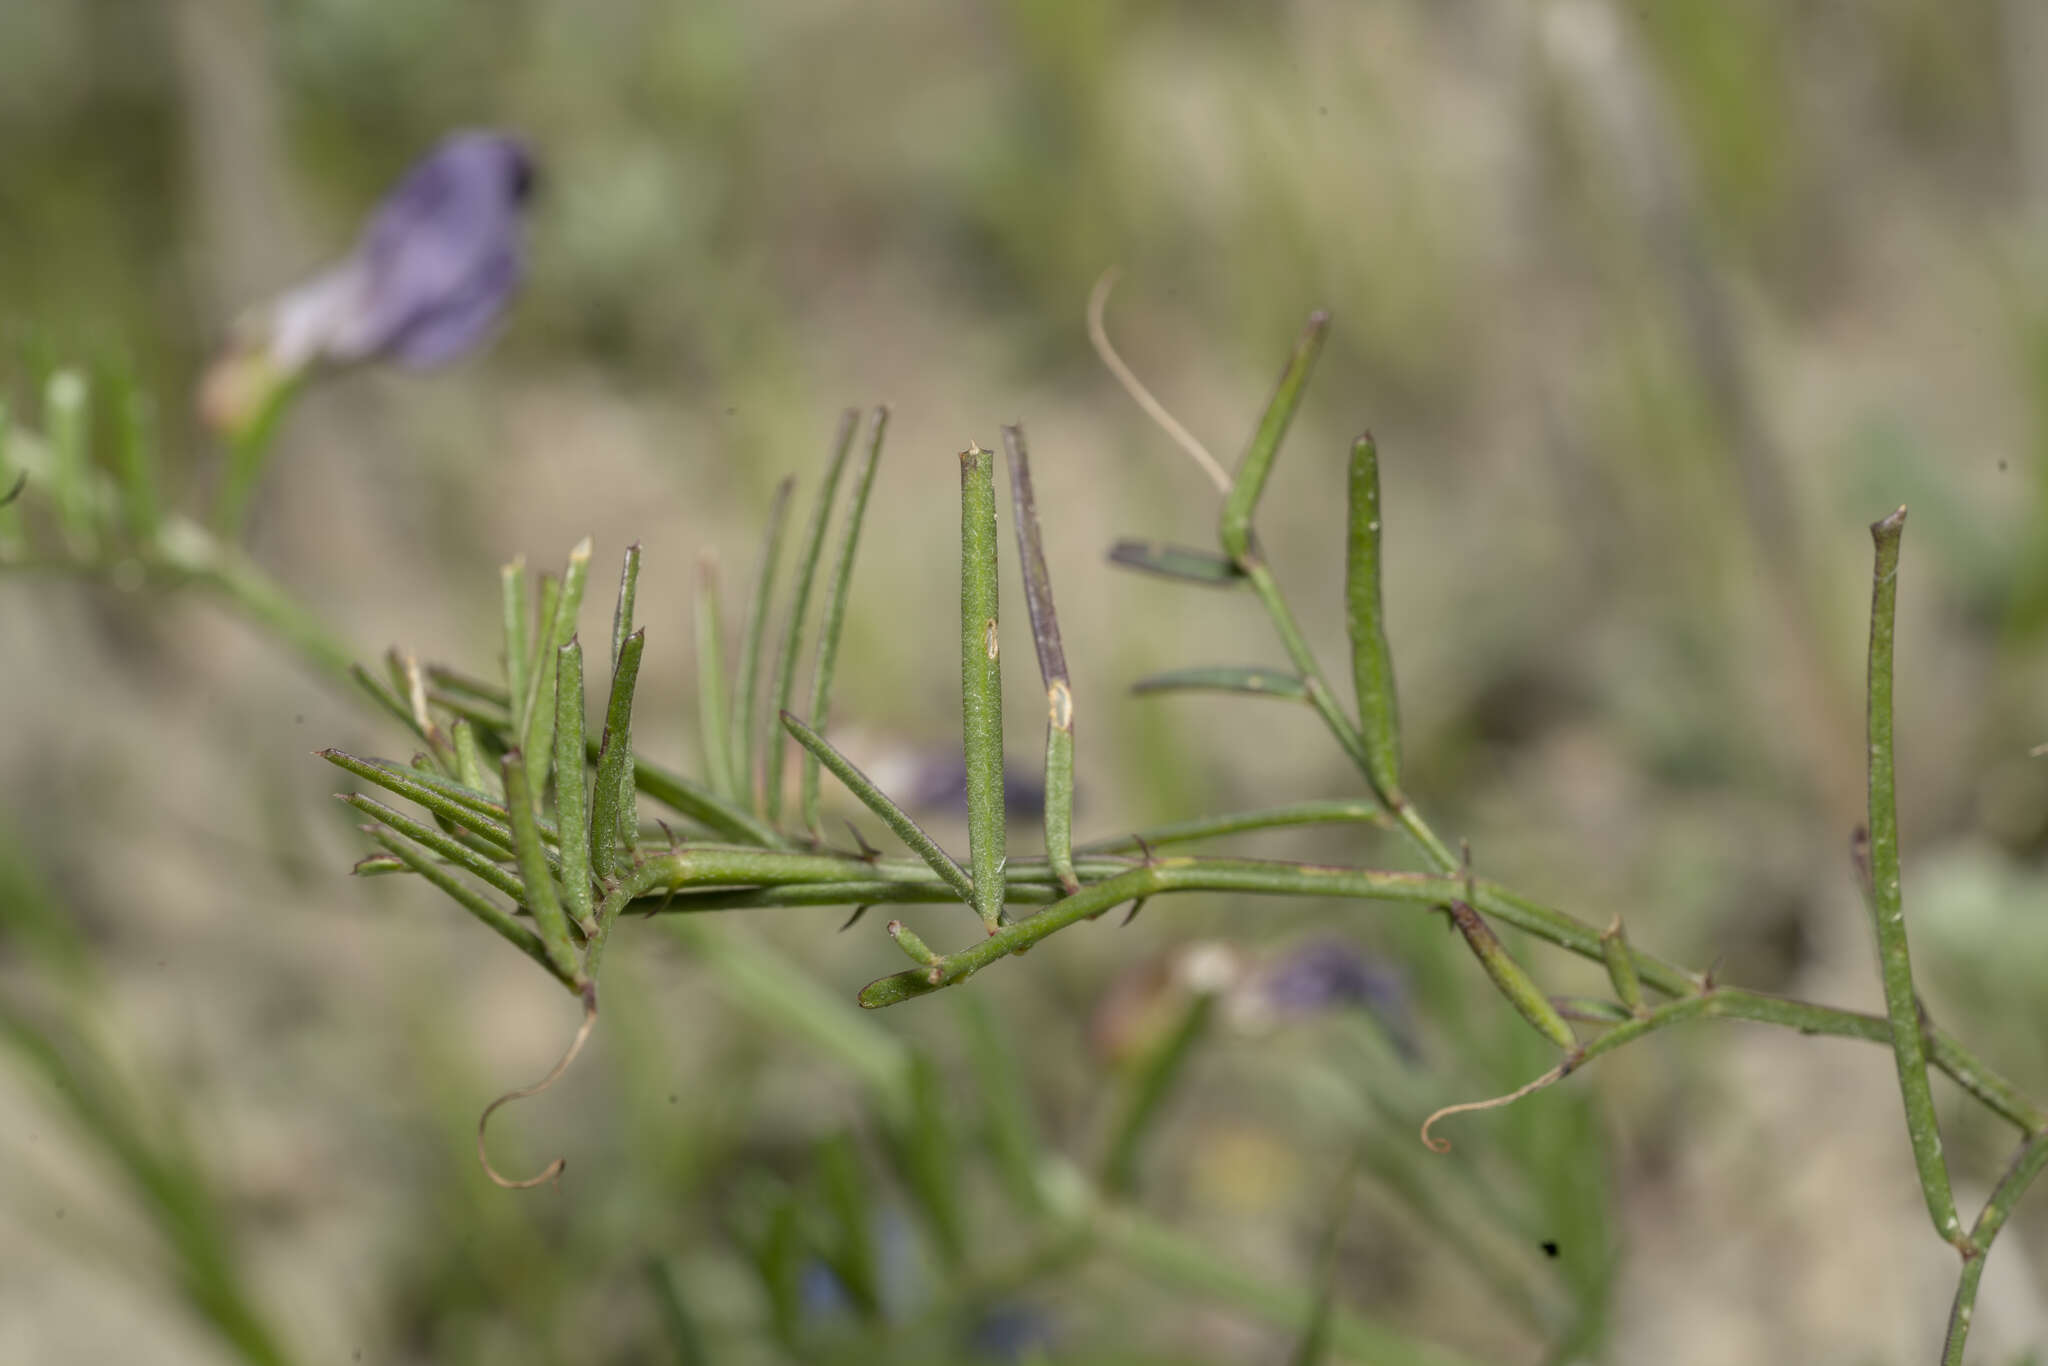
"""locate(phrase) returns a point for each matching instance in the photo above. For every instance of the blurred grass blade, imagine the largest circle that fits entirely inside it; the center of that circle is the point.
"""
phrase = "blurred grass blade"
(779, 1252)
(137, 452)
(1006, 1102)
(712, 719)
(1252, 682)
(762, 983)
(677, 1320)
(615, 764)
(1145, 1093)
(1314, 1347)
(1250, 484)
(800, 604)
(622, 612)
(928, 1158)
(572, 805)
(835, 613)
(1372, 658)
(851, 1253)
(877, 801)
(163, 1174)
(539, 735)
(512, 592)
(249, 449)
(1052, 663)
(67, 421)
(981, 682)
(476, 903)
(12, 481)
(535, 875)
(747, 691)
(1201, 567)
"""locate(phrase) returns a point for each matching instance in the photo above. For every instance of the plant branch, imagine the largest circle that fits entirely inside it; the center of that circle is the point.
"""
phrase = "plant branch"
(1901, 1003)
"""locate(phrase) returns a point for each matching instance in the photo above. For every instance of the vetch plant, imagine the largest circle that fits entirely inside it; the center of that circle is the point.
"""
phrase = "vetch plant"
(731, 849)
(534, 826)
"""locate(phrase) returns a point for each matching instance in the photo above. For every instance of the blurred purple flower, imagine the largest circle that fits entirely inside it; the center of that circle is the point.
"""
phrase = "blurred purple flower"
(434, 270)
(1327, 974)
(935, 780)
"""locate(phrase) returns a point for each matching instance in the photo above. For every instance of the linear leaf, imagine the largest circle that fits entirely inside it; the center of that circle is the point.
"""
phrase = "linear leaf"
(1252, 682)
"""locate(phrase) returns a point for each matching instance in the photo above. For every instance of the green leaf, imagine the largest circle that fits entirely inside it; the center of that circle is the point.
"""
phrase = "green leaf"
(835, 613)
(877, 801)
(1243, 502)
(747, 693)
(981, 682)
(800, 602)
(1200, 567)
(614, 763)
(1052, 663)
(572, 813)
(1251, 682)
(1372, 658)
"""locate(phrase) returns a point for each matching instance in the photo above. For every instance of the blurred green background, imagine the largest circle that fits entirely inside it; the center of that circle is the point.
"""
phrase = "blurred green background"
(1652, 308)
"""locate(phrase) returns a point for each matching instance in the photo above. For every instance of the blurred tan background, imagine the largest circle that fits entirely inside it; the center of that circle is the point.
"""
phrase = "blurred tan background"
(1652, 308)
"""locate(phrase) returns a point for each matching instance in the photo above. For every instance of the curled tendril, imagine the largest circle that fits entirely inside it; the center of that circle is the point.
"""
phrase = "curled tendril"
(1443, 1145)
(1098, 335)
(555, 1168)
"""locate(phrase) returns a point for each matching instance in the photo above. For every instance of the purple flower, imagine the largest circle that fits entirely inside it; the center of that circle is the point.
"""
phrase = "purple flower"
(434, 270)
(1327, 974)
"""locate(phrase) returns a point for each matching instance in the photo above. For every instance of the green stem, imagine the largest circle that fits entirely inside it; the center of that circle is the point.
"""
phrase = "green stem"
(2026, 1164)
(1902, 1005)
